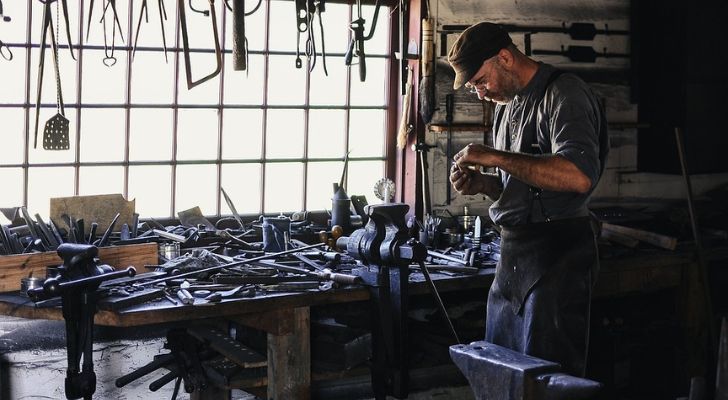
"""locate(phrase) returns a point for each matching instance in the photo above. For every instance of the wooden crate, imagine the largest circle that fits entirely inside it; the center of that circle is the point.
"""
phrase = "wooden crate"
(15, 267)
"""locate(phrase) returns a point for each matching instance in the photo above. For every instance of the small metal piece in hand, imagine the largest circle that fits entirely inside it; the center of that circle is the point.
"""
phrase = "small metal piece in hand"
(55, 134)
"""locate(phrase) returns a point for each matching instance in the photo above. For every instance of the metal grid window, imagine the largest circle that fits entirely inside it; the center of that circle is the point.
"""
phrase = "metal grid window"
(273, 136)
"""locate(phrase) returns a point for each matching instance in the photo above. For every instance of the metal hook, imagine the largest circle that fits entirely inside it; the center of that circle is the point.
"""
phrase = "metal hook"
(203, 12)
(5, 51)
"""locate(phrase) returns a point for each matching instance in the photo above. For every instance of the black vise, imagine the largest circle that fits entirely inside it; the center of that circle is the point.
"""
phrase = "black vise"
(78, 279)
(386, 250)
(498, 373)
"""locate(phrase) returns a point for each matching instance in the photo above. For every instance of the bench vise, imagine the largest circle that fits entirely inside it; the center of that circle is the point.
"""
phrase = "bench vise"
(79, 278)
(386, 250)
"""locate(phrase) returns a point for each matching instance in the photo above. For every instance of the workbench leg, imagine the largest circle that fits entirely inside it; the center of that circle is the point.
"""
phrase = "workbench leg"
(289, 360)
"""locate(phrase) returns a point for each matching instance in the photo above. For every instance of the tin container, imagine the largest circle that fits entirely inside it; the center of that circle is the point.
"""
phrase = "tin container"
(169, 251)
(30, 283)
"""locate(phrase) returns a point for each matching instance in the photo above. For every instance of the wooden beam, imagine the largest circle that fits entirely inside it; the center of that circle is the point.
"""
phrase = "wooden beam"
(289, 356)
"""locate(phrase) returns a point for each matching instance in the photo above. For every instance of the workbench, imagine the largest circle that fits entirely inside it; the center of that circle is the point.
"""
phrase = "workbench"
(285, 317)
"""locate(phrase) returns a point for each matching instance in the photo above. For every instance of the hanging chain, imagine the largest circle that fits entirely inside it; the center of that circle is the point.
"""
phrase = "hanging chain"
(55, 54)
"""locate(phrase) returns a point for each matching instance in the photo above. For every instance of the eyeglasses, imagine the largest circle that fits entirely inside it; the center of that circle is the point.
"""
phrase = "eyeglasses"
(478, 85)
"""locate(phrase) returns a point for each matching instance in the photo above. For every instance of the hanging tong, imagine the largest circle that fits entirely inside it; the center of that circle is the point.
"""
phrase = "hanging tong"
(5, 51)
(306, 11)
(4, 17)
(356, 46)
(186, 44)
(162, 17)
(46, 26)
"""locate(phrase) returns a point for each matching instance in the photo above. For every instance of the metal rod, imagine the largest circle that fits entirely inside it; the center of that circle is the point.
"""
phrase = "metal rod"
(230, 265)
(438, 300)
(702, 264)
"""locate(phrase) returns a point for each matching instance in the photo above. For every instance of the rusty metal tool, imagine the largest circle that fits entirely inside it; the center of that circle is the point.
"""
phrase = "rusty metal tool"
(186, 45)
(53, 243)
(438, 300)
(105, 238)
(55, 136)
(4, 17)
(144, 12)
(232, 208)
(229, 265)
(5, 51)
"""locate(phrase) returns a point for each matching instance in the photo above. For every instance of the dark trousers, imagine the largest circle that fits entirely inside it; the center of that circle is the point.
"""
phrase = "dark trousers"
(540, 299)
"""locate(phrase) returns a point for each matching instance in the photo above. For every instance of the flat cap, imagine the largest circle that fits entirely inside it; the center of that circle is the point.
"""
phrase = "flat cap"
(476, 44)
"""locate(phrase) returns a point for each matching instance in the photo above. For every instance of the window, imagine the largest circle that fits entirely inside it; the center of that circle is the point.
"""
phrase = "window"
(274, 136)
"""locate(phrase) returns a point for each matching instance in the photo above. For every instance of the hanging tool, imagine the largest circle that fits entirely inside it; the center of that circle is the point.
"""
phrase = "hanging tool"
(404, 125)
(403, 40)
(55, 134)
(162, 17)
(356, 46)
(240, 50)
(427, 68)
(4, 17)
(448, 147)
(5, 51)
(186, 45)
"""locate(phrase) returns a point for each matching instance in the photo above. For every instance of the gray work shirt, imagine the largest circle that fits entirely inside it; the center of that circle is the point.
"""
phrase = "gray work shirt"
(565, 118)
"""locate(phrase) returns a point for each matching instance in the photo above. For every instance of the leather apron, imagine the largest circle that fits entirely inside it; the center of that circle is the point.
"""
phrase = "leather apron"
(540, 299)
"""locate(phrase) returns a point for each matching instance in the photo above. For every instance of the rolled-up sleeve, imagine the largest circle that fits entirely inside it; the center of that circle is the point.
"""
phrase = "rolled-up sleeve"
(574, 128)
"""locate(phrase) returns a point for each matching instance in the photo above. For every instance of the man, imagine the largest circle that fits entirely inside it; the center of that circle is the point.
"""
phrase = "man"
(550, 146)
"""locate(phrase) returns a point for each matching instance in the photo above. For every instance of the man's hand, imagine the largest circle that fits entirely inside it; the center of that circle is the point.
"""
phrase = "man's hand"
(477, 155)
(465, 181)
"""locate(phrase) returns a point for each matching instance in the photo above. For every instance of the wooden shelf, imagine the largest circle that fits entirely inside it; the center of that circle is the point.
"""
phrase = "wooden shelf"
(459, 128)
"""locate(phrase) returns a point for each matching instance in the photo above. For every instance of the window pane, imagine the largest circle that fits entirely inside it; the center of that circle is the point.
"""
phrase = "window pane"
(283, 187)
(242, 135)
(242, 183)
(370, 92)
(100, 180)
(151, 186)
(286, 83)
(150, 134)
(12, 193)
(102, 134)
(49, 92)
(15, 31)
(365, 133)
(379, 43)
(41, 155)
(199, 25)
(13, 88)
(283, 31)
(45, 183)
(102, 84)
(197, 135)
(328, 90)
(336, 30)
(203, 64)
(12, 135)
(197, 186)
(326, 133)
(284, 134)
(244, 87)
(254, 26)
(363, 175)
(152, 80)
(319, 184)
